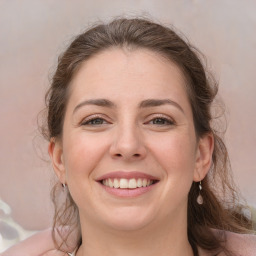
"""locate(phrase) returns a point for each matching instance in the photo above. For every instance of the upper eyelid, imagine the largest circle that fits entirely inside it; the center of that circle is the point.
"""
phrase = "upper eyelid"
(169, 121)
(158, 115)
(94, 116)
(108, 119)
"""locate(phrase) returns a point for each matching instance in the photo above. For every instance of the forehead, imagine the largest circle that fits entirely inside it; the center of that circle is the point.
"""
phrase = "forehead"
(121, 73)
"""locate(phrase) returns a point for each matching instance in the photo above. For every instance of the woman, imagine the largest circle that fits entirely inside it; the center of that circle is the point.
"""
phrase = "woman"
(132, 140)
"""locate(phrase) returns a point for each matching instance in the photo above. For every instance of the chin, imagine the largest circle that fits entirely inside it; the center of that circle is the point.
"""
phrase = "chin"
(129, 219)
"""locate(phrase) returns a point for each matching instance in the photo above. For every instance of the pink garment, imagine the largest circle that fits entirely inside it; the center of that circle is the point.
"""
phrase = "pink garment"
(41, 244)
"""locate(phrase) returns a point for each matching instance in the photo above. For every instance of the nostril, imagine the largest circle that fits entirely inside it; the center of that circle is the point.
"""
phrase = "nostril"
(134, 155)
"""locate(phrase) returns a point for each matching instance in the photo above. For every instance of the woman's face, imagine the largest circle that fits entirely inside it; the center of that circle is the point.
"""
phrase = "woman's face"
(129, 153)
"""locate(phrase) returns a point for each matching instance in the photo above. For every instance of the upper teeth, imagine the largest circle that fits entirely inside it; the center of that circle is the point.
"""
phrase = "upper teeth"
(127, 183)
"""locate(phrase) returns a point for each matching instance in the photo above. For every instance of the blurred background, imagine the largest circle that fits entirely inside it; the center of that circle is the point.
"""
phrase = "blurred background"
(34, 33)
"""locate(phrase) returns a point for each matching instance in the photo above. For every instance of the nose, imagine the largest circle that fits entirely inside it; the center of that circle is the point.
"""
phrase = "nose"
(128, 144)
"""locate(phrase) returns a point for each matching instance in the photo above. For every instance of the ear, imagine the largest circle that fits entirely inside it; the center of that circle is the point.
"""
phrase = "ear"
(56, 153)
(203, 156)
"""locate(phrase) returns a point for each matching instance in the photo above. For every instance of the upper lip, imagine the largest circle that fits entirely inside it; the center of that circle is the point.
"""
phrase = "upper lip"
(126, 175)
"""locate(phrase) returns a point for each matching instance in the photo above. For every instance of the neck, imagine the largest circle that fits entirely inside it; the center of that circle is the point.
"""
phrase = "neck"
(158, 239)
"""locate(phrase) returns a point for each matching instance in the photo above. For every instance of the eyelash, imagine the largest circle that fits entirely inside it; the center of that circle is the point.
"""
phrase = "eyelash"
(89, 121)
(167, 121)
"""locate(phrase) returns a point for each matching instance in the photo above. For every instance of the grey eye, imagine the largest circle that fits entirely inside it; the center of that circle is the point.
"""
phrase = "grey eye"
(95, 121)
(161, 121)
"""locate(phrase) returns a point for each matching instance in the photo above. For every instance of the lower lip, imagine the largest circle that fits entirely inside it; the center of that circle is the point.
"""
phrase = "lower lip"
(126, 192)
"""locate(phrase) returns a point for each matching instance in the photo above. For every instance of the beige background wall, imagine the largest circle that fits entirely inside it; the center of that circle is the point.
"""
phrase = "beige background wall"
(32, 33)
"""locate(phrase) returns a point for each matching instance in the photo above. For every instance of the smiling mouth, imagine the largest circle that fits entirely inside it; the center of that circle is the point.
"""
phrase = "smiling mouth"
(132, 183)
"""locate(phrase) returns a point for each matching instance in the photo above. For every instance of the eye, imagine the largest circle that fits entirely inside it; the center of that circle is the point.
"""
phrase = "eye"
(94, 121)
(161, 121)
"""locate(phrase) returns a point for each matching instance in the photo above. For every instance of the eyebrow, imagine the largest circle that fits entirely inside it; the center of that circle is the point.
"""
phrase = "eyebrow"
(159, 102)
(96, 102)
(144, 104)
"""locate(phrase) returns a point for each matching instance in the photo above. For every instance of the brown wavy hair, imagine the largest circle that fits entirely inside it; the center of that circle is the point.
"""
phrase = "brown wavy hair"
(221, 209)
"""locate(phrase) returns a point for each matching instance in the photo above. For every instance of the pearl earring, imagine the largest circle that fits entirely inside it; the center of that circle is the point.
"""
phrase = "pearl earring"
(200, 199)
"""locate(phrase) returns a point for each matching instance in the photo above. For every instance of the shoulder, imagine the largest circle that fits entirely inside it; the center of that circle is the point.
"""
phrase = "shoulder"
(39, 244)
(33, 245)
(241, 244)
(238, 244)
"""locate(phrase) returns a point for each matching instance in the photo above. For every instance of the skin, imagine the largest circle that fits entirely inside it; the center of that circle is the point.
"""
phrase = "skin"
(147, 225)
(156, 140)
(42, 244)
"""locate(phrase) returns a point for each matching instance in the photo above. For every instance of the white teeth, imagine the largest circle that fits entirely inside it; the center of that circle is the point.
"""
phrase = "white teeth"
(132, 183)
(127, 183)
(110, 183)
(124, 183)
(139, 183)
(116, 183)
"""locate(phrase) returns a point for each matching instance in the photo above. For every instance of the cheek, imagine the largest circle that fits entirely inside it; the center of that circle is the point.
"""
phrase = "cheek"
(82, 154)
(176, 155)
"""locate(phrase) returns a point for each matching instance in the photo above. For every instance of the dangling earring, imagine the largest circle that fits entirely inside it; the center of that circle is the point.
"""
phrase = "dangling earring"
(200, 199)
(63, 186)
